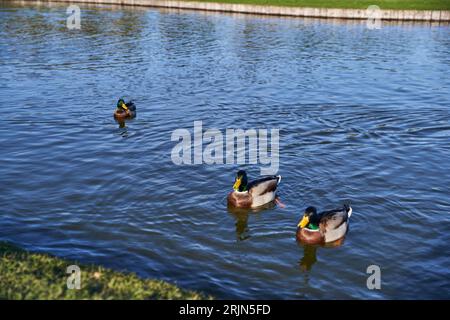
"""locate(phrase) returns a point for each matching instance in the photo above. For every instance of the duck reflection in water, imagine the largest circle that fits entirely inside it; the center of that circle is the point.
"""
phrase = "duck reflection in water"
(310, 253)
(309, 257)
(121, 123)
(123, 129)
(242, 215)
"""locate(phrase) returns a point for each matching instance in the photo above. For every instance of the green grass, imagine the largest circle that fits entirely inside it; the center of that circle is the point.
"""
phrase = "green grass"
(353, 4)
(27, 275)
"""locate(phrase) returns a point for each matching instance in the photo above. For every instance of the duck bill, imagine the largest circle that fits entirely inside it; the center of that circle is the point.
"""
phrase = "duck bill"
(124, 106)
(237, 184)
(304, 222)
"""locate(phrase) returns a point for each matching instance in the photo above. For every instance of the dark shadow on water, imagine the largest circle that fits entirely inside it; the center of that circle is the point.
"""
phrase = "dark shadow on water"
(242, 216)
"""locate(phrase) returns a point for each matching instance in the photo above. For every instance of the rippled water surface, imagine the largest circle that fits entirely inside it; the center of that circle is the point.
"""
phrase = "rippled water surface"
(363, 117)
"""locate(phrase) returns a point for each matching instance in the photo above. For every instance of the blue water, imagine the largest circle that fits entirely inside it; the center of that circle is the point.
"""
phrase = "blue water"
(363, 118)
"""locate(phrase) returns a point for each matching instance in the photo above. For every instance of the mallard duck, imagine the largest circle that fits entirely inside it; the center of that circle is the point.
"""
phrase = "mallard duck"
(324, 227)
(252, 194)
(125, 110)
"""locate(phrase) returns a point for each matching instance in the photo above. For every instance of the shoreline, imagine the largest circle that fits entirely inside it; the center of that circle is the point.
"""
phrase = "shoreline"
(305, 12)
(30, 275)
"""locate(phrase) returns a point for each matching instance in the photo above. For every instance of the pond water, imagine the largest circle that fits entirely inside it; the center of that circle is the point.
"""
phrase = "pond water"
(363, 118)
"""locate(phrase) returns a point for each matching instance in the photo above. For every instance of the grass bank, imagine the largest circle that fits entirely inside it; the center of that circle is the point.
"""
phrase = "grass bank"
(27, 275)
(349, 4)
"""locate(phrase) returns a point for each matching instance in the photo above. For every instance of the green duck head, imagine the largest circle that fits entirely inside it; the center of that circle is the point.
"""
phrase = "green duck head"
(240, 183)
(121, 105)
(309, 218)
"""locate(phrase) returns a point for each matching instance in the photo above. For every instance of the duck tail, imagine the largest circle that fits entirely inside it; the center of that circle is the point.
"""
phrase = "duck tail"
(279, 179)
(348, 209)
(131, 105)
